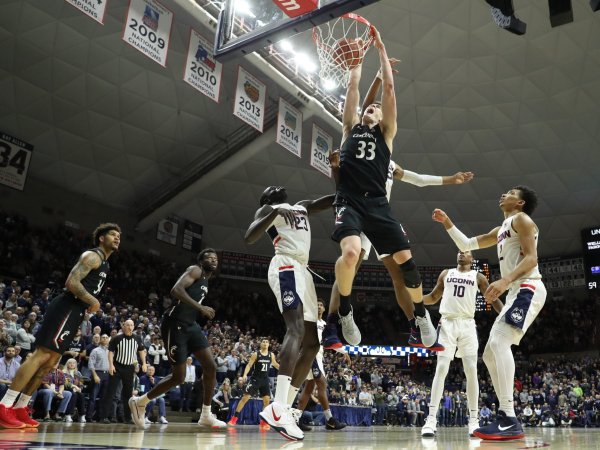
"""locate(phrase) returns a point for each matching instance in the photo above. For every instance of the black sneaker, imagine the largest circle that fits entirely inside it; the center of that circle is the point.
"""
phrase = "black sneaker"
(508, 22)
(106, 420)
(334, 424)
(504, 429)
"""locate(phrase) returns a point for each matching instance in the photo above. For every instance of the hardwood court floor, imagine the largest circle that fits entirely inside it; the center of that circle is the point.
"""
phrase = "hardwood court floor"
(180, 436)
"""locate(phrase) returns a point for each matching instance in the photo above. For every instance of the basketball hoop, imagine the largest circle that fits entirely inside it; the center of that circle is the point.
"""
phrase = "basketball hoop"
(341, 46)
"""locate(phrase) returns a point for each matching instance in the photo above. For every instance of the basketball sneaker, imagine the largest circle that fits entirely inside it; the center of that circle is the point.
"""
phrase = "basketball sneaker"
(503, 429)
(210, 421)
(281, 420)
(427, 330)
(138, 412)
(297, 415)
(232, 421)
(473, 425)
(8, 419)
(330, 339)
(349, 329)
(430, 427)
(508, 23)
(334, 424)
(24, 415)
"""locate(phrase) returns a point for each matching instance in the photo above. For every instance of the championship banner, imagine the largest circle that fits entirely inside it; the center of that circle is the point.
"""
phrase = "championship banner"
(167, 231)
(320, 145)
(148, 28)
(289, 127)
(249, 103)
(92, 8)
(192, 236)
(15, 156)
(201, 71)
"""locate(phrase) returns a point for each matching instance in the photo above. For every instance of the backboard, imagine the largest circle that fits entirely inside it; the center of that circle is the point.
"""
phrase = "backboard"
(248, 25)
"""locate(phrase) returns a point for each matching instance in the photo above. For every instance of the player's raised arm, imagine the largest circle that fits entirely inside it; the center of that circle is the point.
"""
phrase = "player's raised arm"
(388, 96)
(421, 180)
(463, 242)
(436, 294)
(264, 218)
(189, 277)
(320, 204)
(88, 261)
(373, 91)
(350, 115)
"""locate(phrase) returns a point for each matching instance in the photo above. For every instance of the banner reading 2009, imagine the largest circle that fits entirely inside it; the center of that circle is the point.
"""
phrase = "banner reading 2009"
(148, 28)
(249, 102)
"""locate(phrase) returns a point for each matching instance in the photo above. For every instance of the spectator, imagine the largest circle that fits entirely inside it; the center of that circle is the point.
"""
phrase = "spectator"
(25, 338)
(233, 363)
(380, 403)
(76, 349)
(188, 384)
(147, 382)
(98, 365)
(74, 384)
(53, 386)
(156, 351)
(222, 399)
(8, 368)
(485, 416)
(238, 390)
(365, 398)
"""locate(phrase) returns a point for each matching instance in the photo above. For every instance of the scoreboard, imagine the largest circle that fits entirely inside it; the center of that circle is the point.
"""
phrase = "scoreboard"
(483, 266)
(590, 239)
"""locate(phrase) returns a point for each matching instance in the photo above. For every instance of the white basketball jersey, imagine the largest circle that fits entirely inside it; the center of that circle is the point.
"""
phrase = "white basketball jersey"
(390, 179)
(460, 294)
(293, 241)
(509, 250)
(320, 327)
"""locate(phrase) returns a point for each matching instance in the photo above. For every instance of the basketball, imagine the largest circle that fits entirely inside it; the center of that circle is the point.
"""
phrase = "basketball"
(348, 53)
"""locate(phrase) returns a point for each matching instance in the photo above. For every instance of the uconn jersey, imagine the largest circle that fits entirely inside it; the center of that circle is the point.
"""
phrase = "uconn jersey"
(364, 162)
(509, 250)
(460, 293)
(291, 240)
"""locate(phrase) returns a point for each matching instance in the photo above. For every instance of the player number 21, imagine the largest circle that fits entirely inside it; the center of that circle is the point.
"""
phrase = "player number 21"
(366, 148)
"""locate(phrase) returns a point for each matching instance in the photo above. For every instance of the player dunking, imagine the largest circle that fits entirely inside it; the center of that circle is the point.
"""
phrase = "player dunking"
(317, 377)
(457, 288)
(183, 336)
(262, 360)
(62, 319)
(289, 229)
(516, 240)
(361, 204)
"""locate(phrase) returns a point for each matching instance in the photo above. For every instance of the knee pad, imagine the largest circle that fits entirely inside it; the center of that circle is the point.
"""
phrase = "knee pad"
(412, 277)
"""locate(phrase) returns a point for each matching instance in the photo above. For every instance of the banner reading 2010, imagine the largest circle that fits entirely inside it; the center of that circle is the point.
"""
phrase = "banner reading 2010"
(249, 102)
(148, 28)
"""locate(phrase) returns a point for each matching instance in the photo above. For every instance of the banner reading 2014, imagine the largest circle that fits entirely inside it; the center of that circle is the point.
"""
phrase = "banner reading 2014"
(289, 127)
(320, 145)
(249, 102)
(202, 72)
(148, 28)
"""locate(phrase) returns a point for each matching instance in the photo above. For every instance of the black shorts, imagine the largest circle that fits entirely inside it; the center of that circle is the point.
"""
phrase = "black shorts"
(182, 339)
(370, 215)
(63, 317)
(258, 386)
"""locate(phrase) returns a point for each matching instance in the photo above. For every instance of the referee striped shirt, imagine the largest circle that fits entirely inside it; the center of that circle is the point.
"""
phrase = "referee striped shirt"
(125, 349)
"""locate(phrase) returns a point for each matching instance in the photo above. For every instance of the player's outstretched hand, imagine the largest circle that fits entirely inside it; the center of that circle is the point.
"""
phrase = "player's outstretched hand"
(208, 312)
(334, 158)
(439, 215)
(495, 290)
(94, 307)
(377, 42)
(462, 177)
(288, 215)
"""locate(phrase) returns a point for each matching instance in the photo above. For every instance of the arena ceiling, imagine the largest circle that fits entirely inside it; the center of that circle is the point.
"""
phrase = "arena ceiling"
(107, 121)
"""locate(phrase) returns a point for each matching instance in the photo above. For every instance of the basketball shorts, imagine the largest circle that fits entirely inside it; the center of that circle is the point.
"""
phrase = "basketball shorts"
(316, 370)
(459, 337)
(365, 244)
(258, 386)
(524, 301)
(293, 285)
(182, 339)
(373, 217)
(63, 317)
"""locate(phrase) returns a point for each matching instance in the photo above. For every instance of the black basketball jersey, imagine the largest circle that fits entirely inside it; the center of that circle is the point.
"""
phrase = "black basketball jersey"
(364, 162)
(184, 312)
(95, 280)
(262, 365)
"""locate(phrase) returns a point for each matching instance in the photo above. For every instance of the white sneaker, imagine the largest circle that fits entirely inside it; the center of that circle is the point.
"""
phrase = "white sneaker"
(210, 421)
(296, 414)
(428, 331)
(473, 425)
(350, 330)
(430, 427)
(147, 421)
(280, 418)
(82, 419)
(138, 412)
(162, 419)
(68, 418)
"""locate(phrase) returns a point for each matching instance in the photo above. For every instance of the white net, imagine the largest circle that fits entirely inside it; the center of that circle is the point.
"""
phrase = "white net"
(341, 45)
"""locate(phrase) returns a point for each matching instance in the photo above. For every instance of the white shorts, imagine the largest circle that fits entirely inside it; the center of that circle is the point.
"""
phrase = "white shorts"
(317, 370)
(292, 284)
(458, 333)
(366, 245)
(524, 301)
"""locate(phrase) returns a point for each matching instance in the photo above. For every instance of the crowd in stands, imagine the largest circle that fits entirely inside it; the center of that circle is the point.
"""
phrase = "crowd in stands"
(548, 392)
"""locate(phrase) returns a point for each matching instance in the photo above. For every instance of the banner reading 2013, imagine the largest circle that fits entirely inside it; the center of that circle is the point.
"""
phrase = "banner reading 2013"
(148, 28)
(320, 145)
(249, 102)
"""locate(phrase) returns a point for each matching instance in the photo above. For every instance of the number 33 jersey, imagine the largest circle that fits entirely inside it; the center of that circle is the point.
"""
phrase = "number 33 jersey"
(460, 293)
(291, 240)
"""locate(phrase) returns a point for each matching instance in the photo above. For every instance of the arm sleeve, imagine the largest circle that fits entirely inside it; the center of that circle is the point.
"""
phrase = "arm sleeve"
(462, 242)
(421, 180)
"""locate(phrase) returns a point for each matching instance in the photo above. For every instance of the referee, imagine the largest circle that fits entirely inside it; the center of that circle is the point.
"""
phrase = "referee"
(123, 351)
